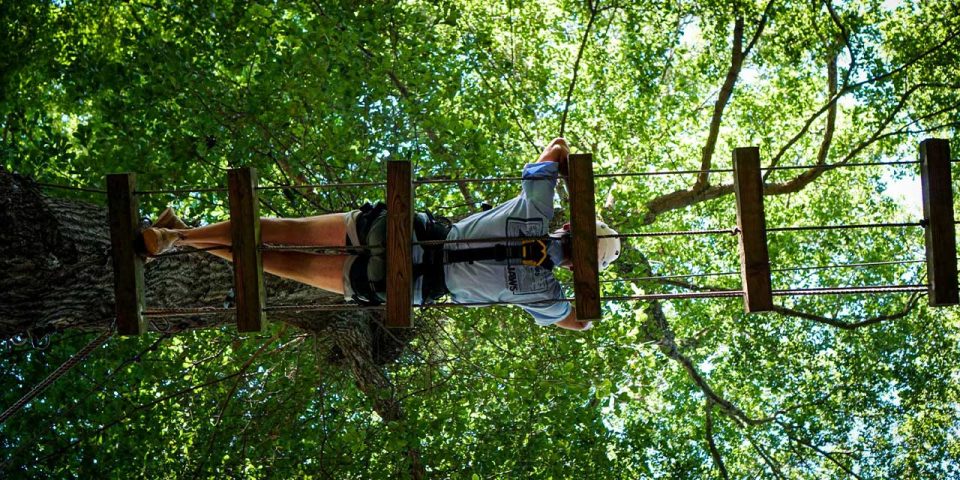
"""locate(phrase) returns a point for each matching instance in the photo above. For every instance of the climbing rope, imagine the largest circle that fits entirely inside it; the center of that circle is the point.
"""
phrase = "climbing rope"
(53, 377)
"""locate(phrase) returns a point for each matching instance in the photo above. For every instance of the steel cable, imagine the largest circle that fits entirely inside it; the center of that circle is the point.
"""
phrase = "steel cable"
(847, 265)
(59, 372)
(70, 187)
(171, 312)
(850, 290)
(921, 223)
(778, 270)
(434, 181)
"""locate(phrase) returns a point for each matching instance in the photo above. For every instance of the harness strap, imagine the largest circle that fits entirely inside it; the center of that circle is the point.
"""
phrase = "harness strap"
(532, 253)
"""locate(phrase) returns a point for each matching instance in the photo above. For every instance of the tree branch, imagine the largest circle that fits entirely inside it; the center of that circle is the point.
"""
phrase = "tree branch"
(737, 56)
(726, 91)
(846, 325)
(805, 178)
(692, 286)
(576, 65)
(831, 120)
(767, 458)
(853, 87)
(701, 189)
(789, 430)
(846, 41)
(226, 399)
(714, 452)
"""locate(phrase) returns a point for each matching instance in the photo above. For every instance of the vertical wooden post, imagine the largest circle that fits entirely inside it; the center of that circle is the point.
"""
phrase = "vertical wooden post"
(399, 244)
(127, 265)
(754, 258)
(247, 259)
(583, 229)
(940, 231)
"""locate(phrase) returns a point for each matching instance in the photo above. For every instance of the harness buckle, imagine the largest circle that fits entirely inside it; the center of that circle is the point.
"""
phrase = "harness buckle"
(530, 257)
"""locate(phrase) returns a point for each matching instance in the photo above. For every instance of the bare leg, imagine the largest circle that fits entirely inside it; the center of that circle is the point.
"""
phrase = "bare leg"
(320, 230)
(321, 271)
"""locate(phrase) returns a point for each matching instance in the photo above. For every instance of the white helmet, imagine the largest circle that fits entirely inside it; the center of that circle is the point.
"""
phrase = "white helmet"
(608, 249)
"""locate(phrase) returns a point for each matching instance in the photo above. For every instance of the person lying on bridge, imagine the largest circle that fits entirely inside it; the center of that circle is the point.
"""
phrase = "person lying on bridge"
(515, 272)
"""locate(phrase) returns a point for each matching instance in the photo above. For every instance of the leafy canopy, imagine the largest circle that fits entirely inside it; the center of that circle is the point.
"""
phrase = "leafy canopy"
(325, 92)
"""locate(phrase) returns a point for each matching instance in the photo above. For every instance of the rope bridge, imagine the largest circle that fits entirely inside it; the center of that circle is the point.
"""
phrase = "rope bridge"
(751, 232)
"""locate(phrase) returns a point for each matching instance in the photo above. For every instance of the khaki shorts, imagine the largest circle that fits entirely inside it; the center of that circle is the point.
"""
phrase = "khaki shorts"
(373, 262)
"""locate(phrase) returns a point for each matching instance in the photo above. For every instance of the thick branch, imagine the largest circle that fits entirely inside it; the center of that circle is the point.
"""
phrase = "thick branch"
(847, 325)
(823, 154)
(801, 181)
(726, 91)
(737, 56)
(846, 40)
(856, 86)
(701, 190)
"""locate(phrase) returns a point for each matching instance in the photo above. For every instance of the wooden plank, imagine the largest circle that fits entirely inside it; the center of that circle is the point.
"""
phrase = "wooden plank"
(399, 307)
(940, 231)
(247, 258)
(127, 264)
(583, 229)
(754, 258)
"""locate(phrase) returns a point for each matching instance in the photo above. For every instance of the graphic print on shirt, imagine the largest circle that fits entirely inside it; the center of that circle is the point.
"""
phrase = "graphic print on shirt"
(522, 279)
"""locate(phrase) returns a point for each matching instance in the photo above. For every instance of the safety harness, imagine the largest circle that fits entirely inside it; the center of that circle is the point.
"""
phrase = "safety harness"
(368, 273)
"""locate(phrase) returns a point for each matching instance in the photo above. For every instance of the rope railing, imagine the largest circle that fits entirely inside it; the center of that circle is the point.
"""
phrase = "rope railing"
(441, 181)
(71, 187)
(774, 270)
(429, 181)
(834, 166)
(669, 277)
(847, 265)
(879, 289)
(424, 243)
(851, 290)
(921, 223)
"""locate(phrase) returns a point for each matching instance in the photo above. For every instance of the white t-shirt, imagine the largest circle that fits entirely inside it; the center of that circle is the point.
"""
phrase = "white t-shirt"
(532, 288)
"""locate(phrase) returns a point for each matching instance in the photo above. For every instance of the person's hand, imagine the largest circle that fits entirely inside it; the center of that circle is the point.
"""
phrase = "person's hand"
(556, 151)
(562, 153)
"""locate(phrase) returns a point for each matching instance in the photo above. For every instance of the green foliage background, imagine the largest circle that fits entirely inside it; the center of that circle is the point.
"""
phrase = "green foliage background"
(325, 92)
